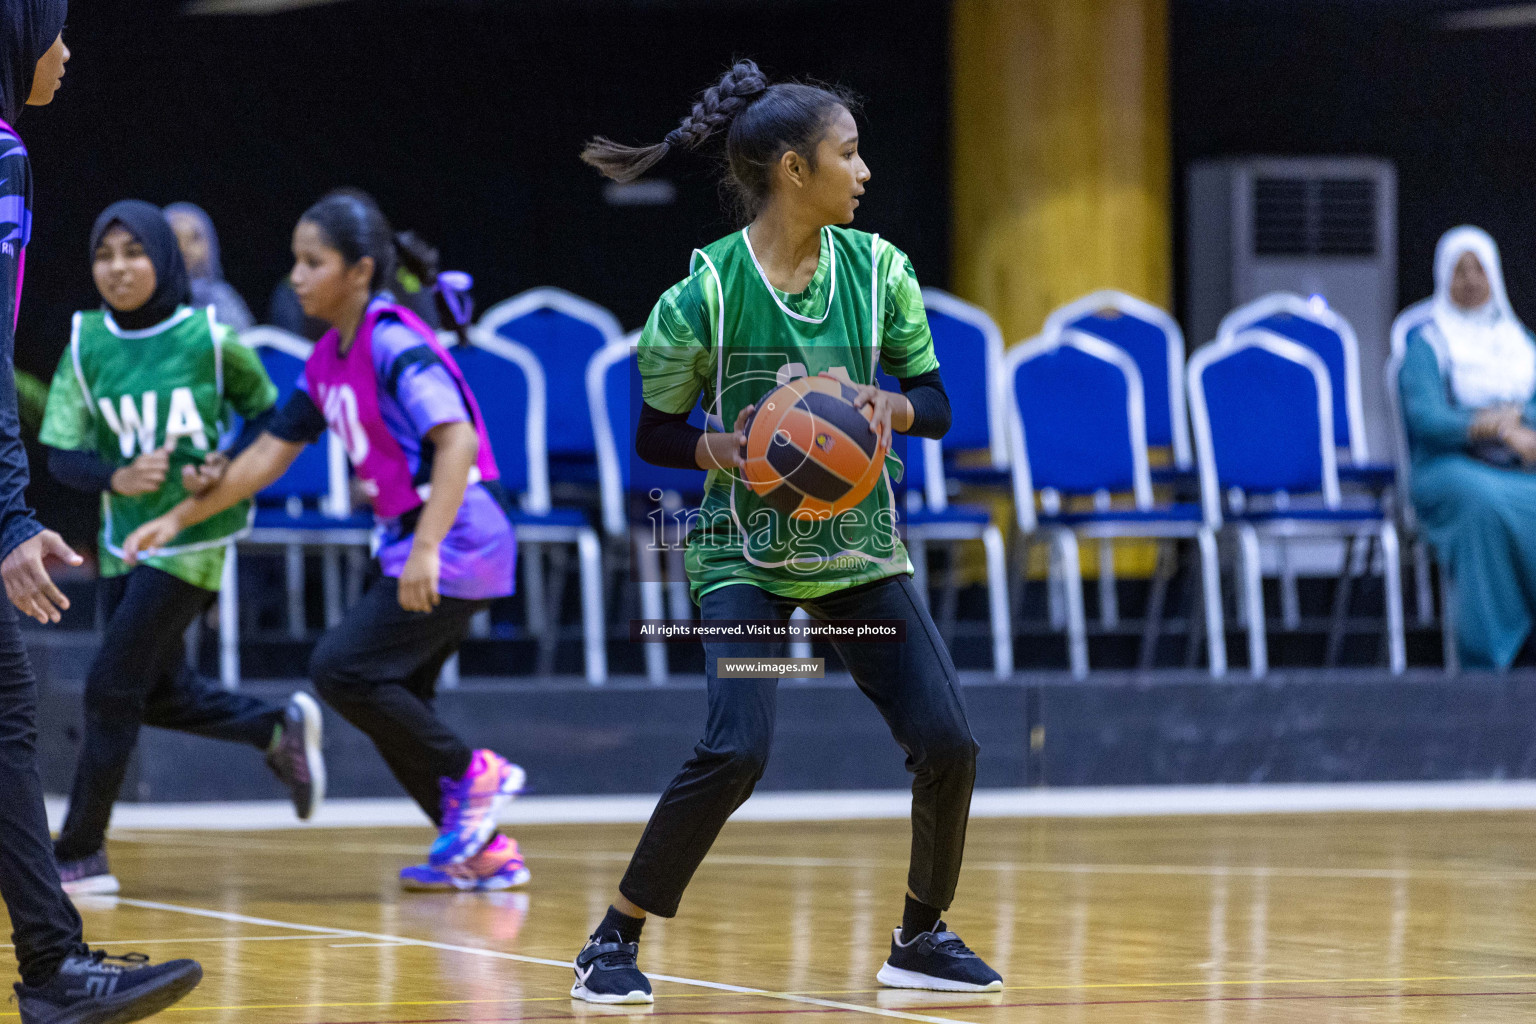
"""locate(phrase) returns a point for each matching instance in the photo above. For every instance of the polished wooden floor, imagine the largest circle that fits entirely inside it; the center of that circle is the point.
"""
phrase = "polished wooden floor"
(1339, 918)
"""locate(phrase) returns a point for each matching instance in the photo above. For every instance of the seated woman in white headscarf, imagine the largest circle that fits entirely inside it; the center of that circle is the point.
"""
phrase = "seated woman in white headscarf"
(1467, 383)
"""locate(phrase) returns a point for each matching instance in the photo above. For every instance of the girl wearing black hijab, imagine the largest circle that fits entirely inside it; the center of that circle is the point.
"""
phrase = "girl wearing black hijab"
(137, 403)
(62, 980)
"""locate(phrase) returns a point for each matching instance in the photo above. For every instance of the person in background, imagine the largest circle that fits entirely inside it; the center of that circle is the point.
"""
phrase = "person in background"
(380, 381)
(200, 251)
(63, 981)
(135, 411)
(1467, 382)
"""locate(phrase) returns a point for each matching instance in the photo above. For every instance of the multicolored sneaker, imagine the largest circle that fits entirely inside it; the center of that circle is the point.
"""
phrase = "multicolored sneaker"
(499, 866)
(296, 759)
(88, 876)
(470, 806)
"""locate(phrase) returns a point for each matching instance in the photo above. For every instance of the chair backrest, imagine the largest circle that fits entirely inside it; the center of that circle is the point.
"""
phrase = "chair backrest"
(1077, 420)
(1154, 340)
(1418, 313)
(563, 331)
(1262, 407)
(320, 472)
(1415, 315)
(615, 396)
(969, 348)
(1313, 324)
(508, 383)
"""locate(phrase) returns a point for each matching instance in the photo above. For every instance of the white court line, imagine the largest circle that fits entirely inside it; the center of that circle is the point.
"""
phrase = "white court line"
(1072, 802)
(224, 915)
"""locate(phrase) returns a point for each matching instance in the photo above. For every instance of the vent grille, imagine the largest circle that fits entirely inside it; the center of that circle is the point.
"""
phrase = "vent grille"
(1314, 217)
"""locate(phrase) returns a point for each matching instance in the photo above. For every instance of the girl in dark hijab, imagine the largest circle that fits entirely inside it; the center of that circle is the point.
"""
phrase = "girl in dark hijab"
(153, 258)
(62, 981)
(134, 412)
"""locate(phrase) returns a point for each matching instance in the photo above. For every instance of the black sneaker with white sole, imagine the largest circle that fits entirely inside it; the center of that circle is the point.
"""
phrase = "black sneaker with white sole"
(938, 961)
(606, 972)
(296, 759)
(94, 988)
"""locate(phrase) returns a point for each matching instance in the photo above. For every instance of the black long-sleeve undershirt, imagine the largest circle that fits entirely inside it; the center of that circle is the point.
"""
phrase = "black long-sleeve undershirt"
(667, 439)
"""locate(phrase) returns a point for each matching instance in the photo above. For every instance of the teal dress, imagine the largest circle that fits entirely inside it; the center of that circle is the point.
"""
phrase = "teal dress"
(1481, 519)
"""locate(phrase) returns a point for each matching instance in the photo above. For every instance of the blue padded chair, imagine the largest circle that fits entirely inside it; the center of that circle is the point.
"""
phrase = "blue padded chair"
(926, 515)
(1316, 326)
(1265, 441)
(1311, 323)
(1414, 316)
(969, 348)
(614, 395)
(1078, 428)
(563, 331)
(1154, 340)
(508, 382)
(308, 506)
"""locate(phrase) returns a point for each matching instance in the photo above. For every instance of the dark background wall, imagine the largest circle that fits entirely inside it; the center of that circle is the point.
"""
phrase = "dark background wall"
(1452, 108)
(464, 119)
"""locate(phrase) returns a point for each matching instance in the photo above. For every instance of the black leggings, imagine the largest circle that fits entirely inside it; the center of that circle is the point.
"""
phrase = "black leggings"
(44, 924)
(378, 668)
(914, 686)
(140, 677)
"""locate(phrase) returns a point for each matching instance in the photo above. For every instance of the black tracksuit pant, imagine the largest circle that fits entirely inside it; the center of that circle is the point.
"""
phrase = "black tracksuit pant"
(140, 677)
(912, 683)
(379, 666)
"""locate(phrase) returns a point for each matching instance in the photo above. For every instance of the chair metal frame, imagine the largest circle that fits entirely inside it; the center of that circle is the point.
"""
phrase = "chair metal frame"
(1063, 539)
(1248, 531)
(1405, 322)
(616, 523)
(535, 502)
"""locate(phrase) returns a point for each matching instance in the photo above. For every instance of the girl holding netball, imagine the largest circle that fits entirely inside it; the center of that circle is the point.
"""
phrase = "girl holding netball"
(395, 398)
(141, 396)
(793, 294)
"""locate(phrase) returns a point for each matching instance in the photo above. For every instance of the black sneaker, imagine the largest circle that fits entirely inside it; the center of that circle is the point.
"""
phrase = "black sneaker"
(296, 759)
(937, 960)
(94, 988)
(606, 972)
(88, 876)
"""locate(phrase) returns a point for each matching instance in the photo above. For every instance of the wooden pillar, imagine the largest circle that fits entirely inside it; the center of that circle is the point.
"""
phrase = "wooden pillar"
(1061, 154)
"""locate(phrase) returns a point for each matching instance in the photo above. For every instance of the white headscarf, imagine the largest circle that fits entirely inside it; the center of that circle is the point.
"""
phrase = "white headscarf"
(1485, 352)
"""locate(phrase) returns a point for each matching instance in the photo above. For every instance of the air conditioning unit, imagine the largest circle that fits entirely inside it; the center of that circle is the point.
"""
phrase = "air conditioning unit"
(1316, 226)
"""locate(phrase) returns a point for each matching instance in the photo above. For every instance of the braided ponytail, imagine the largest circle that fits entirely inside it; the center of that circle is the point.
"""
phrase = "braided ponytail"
(716, 108)
(762, 122)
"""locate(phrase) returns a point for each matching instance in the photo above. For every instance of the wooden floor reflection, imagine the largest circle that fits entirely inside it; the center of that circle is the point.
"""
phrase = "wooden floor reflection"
(1340, 918)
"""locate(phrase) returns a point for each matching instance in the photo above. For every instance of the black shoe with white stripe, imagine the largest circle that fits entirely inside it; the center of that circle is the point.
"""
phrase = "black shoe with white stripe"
(938, 961)
(94, 988)
(606, 972)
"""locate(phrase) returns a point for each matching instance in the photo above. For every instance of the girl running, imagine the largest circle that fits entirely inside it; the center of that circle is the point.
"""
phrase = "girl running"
(140, 398)
(793, 294)
(395, 398)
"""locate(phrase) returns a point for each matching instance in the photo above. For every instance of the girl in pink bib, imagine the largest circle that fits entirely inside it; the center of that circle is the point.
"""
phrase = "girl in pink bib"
(413, 432)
